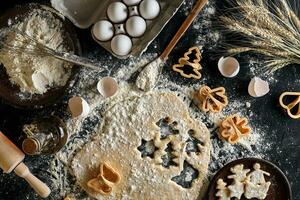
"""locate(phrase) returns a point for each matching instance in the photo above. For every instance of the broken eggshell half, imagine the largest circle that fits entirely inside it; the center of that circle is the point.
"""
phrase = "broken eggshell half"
(107, 86)
(229, 66)
(258, 87)
(78, 107)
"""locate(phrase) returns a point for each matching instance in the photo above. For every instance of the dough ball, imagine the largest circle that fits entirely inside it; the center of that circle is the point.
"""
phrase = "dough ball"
(103, 30)
(136, 26)
(131, 2)
(121, 45)
(149, 9)
(117, 12)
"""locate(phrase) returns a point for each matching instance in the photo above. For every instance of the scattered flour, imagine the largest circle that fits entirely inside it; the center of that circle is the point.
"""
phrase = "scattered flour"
(83, 130)
(35, 74)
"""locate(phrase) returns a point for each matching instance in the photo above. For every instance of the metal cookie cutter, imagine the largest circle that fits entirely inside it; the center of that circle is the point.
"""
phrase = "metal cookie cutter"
(291, 106)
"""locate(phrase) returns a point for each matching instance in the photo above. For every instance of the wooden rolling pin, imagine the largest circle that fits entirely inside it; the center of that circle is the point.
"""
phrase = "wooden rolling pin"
(11, 159)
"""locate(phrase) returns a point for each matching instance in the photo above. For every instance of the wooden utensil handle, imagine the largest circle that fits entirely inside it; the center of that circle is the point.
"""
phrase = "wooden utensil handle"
(40, 188)
(186, 24)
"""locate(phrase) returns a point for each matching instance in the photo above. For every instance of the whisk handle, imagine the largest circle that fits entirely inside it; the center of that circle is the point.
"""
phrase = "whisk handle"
(92, 64)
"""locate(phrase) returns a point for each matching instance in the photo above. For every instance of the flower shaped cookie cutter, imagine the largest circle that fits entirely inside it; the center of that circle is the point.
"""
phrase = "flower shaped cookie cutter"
(107, 179)
(189, 65)
(213, 100)
(293, 107)
(233, 128)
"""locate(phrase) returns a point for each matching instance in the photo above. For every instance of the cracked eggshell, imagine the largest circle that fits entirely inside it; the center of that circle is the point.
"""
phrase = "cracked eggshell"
(121, 45)
(131, 2)
(103, 30)
(78, 107)
(117, 12)
(258, 87)
(229, 67)
(136, 26)
(107, 86)
(149, 9)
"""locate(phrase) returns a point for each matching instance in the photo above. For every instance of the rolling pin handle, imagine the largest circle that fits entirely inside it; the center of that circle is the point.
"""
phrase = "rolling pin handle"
(40, 188)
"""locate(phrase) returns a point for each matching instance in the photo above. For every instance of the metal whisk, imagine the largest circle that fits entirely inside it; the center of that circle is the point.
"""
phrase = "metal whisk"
(29, 45)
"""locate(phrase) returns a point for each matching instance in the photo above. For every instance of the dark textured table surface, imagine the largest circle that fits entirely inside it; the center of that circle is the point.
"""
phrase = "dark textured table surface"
(280, 129)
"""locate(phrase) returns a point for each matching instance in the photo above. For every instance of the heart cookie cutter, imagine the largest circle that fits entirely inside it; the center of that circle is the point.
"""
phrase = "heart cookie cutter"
(291, 106)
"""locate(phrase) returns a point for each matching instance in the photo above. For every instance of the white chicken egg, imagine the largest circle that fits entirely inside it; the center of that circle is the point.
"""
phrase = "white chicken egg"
(103, 30)
(131, 2)
(136, 26)
(121, 45)
(149, 9)
(117, 12)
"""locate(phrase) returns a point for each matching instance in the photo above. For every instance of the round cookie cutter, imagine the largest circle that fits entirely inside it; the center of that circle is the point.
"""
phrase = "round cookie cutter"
(10, 93)
(279, 189)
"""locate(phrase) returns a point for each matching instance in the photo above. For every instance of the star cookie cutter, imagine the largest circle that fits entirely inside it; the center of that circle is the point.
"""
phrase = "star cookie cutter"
(185, 63)
(293, 107)
(233, 128)
(213, 100)
(107, 179)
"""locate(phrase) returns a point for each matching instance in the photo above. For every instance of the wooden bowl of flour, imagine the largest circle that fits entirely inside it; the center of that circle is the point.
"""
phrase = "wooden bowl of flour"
(11, 93)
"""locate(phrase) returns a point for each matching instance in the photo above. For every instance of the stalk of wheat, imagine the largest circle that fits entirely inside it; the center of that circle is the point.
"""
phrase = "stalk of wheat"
(270, 29)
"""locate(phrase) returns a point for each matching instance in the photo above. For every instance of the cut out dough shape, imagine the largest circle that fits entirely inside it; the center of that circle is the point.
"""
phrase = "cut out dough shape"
(223, 192)
(213, 100)
(252, 185)
(233, 128)
(194, 64)
(256, 185)
(124, 126)
(291, 105)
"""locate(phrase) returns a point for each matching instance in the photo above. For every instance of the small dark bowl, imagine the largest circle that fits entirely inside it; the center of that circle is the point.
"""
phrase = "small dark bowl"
(11, 93)
(280, 188)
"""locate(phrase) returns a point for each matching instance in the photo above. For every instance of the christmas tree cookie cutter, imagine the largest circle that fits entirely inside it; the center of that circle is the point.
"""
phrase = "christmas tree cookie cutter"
(292, 107)
(188, 66)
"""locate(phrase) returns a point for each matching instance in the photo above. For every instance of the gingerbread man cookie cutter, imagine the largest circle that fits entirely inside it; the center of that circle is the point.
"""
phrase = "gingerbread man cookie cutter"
(105, 181)
(293, 105)
(186, 61)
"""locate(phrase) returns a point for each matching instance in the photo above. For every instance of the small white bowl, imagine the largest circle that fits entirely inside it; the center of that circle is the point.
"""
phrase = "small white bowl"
(229, 66)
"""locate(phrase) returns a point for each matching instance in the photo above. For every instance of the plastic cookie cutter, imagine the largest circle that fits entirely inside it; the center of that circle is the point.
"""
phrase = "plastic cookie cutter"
(107, 179)
(189, 65)
(213, 100)
(233, 128)
(290, 101)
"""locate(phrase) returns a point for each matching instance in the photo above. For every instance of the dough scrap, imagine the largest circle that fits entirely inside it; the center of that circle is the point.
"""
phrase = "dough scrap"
(123, 129)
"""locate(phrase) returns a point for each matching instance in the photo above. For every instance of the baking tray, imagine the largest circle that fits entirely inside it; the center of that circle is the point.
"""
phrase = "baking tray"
(85, 13)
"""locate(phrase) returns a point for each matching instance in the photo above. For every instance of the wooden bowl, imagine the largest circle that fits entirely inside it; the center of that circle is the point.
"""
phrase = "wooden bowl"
(10, 93)
(280, 188)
